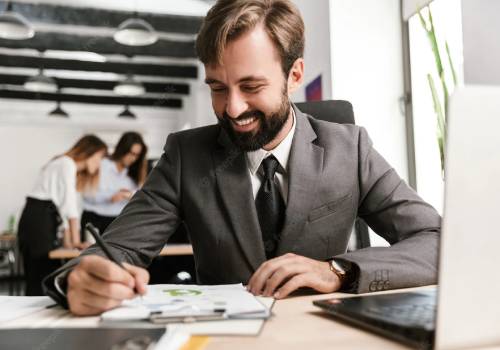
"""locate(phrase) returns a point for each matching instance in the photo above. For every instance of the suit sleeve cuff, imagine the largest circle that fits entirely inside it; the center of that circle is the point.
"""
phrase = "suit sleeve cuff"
(56, 287)
(61, 282)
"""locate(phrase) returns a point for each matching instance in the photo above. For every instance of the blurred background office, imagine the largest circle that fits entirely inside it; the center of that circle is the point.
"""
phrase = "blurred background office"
(72, 67)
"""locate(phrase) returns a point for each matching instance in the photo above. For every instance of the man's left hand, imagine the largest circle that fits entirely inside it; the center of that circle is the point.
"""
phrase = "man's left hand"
(281, 276)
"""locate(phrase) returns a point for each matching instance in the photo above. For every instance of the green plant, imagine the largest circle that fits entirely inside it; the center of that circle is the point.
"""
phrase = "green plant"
(11, 226)
(440, 105)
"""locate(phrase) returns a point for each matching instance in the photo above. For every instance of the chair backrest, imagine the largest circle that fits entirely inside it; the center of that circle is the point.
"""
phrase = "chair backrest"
(338, 111)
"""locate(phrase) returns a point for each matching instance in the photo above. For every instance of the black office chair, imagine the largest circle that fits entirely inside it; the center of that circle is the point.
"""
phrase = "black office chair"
(338, 111)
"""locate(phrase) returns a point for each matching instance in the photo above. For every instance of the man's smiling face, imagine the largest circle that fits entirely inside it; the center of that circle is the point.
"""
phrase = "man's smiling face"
(249, 90)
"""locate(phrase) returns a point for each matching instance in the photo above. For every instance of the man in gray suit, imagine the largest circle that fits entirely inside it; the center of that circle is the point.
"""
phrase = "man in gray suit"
(269, 194)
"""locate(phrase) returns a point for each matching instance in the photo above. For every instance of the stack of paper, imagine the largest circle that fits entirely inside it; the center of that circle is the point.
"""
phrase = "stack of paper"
(16, 307)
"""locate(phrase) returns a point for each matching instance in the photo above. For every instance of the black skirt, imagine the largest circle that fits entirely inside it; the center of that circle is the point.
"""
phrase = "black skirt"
(37, 234)
(37, 231)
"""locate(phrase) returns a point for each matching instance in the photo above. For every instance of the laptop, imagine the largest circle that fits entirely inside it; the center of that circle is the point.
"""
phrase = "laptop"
(464, 311)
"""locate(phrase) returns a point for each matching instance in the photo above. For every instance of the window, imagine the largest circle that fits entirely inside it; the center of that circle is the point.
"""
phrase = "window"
(447, 24)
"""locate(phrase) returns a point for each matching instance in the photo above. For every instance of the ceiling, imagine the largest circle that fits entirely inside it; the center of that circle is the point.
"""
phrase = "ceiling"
(80, 54)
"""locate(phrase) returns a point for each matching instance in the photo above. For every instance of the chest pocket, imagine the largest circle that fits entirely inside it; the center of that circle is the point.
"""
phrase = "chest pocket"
(330, 208)
(327, 229)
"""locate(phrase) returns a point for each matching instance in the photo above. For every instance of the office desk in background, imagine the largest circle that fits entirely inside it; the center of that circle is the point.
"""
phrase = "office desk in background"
(168, 250)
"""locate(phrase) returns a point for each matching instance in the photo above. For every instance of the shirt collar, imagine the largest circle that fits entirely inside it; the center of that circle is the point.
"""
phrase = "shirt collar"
(281, 152)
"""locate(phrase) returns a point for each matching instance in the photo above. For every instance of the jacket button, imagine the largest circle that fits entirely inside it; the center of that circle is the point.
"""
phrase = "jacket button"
(380, 285)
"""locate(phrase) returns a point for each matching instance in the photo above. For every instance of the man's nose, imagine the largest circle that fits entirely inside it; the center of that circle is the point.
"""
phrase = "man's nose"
(235, 105)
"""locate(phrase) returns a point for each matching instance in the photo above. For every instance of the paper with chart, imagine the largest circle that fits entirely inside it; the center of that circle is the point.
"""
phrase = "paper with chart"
(171, 299)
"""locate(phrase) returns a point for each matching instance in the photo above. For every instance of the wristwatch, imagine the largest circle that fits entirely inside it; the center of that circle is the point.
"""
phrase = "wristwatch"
(337, 269)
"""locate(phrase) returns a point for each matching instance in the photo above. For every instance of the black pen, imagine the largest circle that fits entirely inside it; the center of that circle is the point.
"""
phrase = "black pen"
(104, 246)
(100, 242)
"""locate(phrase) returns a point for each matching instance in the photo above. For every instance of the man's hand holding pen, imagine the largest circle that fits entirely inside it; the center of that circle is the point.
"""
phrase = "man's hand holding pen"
(97, 284)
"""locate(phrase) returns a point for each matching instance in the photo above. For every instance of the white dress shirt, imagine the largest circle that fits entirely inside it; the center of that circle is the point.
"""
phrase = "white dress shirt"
(110, 182)
(57, 182)
(282, 154)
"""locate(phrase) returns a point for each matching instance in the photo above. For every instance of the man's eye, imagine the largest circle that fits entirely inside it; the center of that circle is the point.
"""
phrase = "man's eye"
(218, 89)
(251, 88)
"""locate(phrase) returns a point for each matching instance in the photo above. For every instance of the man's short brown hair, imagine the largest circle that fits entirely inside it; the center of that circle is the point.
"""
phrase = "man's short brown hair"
(229, 19)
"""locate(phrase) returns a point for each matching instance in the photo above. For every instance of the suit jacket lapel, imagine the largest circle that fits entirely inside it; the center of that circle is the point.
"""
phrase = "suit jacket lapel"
(305, 168)
(235, 187)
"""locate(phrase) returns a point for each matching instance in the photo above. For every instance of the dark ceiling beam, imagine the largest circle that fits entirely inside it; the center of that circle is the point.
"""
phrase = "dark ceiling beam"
(93, 17)
(101, 100)
(173, 71)
(101, 45)
(168, 88)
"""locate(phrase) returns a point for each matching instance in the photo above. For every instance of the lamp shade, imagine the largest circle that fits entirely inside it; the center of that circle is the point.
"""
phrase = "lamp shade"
(40, 83)
(126, 113)
(58, 112)
(15, 26)
(135, 32)
(129, 87)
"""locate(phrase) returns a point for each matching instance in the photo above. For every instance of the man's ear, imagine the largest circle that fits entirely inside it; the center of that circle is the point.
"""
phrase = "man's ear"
(296, 75)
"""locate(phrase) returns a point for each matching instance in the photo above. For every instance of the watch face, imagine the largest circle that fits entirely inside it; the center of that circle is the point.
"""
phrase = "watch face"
(337, 268)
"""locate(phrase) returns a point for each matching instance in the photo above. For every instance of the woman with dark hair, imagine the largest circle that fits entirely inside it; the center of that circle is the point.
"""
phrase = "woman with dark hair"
(53, 203)
(121, 175)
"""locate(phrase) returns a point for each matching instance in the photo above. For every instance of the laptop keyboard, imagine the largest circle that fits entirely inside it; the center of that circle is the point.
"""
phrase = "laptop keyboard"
(422, 315)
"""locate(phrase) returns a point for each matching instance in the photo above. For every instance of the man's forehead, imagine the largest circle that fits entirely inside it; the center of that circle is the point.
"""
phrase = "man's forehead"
(250, 56)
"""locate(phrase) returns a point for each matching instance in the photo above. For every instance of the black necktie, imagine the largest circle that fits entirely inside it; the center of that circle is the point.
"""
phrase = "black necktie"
(270, 207)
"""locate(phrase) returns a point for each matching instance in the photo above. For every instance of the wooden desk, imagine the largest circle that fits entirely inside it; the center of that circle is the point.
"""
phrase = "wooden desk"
(168, 250)
(298, 324)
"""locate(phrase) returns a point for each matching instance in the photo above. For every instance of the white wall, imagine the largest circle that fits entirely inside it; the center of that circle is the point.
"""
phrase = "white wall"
(367, 70)
(481, 30)
(356, 46)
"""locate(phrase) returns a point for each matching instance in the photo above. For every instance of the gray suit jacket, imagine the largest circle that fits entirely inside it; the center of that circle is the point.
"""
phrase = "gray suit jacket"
(335, 175)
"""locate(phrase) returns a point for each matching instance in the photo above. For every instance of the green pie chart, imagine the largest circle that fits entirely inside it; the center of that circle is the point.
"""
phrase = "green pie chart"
(182, 292)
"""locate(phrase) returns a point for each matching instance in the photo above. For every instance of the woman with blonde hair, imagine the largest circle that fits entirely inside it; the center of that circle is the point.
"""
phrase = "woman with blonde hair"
(54, 202)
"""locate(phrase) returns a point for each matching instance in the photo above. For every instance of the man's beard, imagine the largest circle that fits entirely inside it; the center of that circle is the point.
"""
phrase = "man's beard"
(266, 131)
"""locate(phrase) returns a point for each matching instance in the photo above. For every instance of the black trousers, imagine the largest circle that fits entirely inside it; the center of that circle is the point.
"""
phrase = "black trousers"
(37, 234)
(35, 270)
(99, 221)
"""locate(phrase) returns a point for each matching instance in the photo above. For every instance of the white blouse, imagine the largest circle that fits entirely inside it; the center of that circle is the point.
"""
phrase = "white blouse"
(57, 182)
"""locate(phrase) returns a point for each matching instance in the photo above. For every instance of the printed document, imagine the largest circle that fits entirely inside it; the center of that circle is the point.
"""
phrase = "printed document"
(233, 301)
